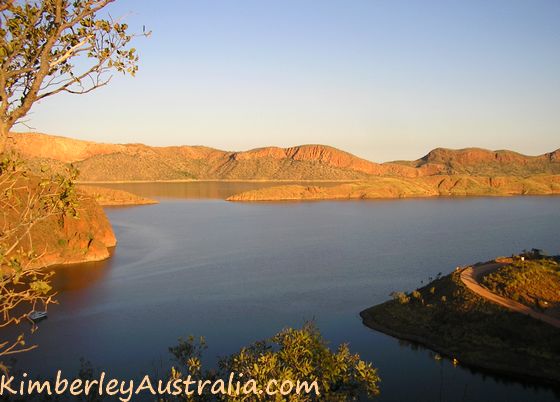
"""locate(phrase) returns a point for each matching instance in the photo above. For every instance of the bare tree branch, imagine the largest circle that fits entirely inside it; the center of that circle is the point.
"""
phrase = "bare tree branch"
(25, 202)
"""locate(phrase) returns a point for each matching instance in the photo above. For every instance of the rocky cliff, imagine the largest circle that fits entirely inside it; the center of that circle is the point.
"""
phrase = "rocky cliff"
(36, 231)
(137, 162)
(88, 237)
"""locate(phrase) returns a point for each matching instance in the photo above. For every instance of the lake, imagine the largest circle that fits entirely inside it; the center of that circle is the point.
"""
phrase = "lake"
(236, 273)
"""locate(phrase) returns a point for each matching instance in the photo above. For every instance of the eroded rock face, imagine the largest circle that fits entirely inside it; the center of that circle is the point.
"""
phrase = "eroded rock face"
(47, 236)
(88, 237)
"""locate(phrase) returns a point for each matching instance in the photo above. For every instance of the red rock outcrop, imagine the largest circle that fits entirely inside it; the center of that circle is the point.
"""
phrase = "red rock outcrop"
(484, 162)
(54, 238)
(133, 162)
(89, 237)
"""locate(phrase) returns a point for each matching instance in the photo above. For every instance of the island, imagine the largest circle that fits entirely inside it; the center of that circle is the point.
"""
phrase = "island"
(403, 187)
(501, 315)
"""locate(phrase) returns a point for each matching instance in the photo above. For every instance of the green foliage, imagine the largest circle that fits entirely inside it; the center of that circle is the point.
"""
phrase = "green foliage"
(292, 354)
(53, 46)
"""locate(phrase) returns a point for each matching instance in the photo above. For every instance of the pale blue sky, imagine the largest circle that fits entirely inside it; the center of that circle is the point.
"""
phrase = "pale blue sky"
(382, 79)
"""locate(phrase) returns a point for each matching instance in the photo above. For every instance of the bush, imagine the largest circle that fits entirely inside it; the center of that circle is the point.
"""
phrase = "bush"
(400, 297)
(292, 354)
(417, 295)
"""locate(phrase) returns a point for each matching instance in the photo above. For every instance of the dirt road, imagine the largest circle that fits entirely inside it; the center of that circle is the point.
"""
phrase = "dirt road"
(471, 277)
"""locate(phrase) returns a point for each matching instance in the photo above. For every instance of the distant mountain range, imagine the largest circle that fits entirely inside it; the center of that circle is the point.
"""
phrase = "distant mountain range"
(137, 162)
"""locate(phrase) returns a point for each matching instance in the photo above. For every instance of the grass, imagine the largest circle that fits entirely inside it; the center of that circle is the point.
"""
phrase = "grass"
(534, 283)
(449, 318)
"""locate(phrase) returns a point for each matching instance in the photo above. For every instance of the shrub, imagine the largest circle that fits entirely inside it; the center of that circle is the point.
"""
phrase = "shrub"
(292, 354)
(417, 295)
(400, 297)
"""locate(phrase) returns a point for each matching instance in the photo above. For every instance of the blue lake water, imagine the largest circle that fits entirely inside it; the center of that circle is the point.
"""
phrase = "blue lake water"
(236, 273)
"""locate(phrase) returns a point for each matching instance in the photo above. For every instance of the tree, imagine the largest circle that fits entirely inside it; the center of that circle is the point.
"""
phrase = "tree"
(25, 202)
(53, 46)
(292, 354)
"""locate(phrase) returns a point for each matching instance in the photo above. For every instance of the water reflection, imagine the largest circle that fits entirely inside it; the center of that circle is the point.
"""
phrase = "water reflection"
(500, 378)
(74, 277)
(199, 189)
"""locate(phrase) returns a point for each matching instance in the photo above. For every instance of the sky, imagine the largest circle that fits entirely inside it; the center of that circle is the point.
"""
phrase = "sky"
(384, 80)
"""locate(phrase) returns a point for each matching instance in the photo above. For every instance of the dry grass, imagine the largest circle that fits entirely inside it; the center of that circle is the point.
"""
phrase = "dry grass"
(534, 283)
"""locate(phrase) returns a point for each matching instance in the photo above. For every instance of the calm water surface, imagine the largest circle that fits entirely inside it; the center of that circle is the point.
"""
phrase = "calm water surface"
(236, 273)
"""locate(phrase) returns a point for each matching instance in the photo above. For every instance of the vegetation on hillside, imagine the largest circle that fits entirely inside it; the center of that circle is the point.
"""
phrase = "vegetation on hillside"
(483, 162)
(532, 282)
(135, 162)
(449, 318)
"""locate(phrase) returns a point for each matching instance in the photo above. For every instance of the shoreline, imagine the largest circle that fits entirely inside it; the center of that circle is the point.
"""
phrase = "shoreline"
(418, 197)
(65, 263)
(503, 370)
(86, 182)
(109, 197)
(424, 187)
(238, 197)
(447, 317)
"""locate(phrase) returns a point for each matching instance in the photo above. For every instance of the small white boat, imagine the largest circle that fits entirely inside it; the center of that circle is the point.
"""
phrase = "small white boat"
(37, 315)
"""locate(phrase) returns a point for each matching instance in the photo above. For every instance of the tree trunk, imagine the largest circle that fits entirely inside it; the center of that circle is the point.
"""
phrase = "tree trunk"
(4, 130)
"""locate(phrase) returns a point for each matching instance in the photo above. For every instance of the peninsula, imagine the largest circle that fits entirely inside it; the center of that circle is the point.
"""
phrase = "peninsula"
(474, 316)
